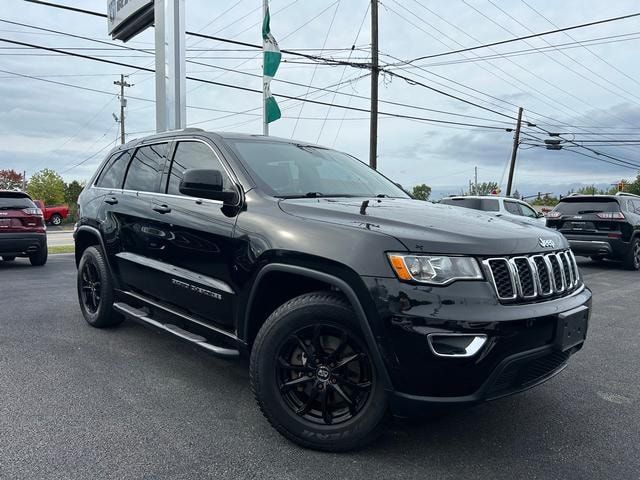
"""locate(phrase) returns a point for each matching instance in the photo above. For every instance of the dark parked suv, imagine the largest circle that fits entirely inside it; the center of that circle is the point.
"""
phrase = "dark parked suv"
(601, 226)
(22, 229)
(350, 298)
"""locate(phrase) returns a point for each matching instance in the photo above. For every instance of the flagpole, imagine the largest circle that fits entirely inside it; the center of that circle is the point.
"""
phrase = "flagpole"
(265, 124)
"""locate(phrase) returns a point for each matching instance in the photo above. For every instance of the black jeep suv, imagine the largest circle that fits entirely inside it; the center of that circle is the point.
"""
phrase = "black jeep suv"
(601, 226)
(350, 298)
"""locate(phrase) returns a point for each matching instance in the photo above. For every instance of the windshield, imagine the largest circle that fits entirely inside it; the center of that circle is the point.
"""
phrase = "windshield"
(288, 170)
(15, 202)
(587, 205)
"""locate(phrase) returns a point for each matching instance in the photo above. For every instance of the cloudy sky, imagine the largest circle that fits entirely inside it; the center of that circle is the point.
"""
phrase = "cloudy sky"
(583, 83)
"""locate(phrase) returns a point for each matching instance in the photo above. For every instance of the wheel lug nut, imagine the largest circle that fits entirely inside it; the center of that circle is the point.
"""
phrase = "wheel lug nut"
(320, 387)
(333, 380)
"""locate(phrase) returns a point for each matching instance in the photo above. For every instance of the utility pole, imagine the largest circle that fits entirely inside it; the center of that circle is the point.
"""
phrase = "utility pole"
(123, 103)
(24, 180)
(373, 128)
(514, 152)
(475, 176)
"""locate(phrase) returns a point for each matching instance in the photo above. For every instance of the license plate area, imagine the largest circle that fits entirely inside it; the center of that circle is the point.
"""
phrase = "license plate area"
(582, 226)
(572, 328)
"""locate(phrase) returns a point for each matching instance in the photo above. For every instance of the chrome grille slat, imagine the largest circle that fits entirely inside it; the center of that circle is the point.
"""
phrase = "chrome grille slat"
(530, 277)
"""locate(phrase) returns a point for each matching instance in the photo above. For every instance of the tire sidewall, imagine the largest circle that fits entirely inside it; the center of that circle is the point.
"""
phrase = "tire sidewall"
(101, 317)
(347, 435)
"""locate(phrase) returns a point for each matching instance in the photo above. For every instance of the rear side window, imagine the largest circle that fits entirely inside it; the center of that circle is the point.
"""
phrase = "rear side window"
(513, 208)
(485, 204)
(193, 155)
(113, 173)
(14, 201)
(587, 205)
(146, 167)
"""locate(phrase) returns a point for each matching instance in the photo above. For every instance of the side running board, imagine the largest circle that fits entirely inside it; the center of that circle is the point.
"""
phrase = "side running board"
(197, 340)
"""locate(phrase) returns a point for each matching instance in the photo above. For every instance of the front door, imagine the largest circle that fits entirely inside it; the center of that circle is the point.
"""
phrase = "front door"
(193, 243)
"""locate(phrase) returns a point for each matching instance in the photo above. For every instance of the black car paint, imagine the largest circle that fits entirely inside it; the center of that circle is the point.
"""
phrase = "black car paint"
(327, 240)
(610, 238)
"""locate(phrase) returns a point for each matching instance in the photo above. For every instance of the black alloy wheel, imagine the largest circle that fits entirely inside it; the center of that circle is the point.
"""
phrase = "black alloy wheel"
(90, 286)
(324, 375)
(314, 377)
(95, 290)
(631, 261)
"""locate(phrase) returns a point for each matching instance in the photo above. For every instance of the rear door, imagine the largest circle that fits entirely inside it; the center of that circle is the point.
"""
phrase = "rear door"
(193, 246)
(132, 216)
(589, 216)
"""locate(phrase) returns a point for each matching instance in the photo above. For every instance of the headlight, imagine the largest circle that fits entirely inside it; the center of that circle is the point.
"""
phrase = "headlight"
(435, 269)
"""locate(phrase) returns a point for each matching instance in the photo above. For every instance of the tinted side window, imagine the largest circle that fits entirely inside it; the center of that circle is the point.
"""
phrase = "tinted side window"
(513, 208)
(146, 168)
(635, 206)
(490, 205)
(113, 174)
(193, 155)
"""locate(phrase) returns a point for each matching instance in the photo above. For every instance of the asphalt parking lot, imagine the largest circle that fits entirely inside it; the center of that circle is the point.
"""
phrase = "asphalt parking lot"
(77, 402)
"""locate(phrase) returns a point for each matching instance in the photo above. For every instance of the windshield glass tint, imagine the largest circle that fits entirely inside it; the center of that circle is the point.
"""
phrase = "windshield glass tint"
(486, 204)
(587, 206)
(288, 170)
(13, 202)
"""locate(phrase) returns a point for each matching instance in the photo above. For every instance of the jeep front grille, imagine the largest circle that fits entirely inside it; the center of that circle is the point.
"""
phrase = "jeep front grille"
(533, 277)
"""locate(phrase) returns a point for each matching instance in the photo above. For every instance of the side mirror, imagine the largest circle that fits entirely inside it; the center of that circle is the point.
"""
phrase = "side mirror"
(207, 184)
(540, 215)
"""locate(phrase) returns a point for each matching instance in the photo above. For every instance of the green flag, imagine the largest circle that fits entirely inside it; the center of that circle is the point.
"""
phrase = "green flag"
(271, 61)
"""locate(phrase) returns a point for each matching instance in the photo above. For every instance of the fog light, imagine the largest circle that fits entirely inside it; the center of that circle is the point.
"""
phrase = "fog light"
(456, 345)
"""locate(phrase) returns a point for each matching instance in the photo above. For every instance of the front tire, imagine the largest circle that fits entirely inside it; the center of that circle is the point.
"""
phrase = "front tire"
(631, 260)
(40, 258)
(313, 377)
(95, 290)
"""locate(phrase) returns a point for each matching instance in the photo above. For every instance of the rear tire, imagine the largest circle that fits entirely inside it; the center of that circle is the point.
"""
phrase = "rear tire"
(631, 260)
(337, 402)
(10, 258)
(56, 219)
(95, 290)
(40, 258)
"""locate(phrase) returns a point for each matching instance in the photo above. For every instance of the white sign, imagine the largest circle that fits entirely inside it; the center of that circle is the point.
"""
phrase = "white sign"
(122, 13)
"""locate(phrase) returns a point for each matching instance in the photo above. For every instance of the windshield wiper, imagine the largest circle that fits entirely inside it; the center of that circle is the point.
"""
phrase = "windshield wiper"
(315, 195)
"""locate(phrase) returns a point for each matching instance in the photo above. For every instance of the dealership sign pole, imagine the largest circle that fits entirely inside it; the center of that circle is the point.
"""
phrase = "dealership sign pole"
(127, 18)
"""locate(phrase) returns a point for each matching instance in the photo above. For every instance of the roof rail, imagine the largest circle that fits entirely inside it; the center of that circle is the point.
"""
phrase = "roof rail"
(625, 194)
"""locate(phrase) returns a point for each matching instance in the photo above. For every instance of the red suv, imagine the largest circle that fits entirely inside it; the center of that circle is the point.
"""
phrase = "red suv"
(22, 228)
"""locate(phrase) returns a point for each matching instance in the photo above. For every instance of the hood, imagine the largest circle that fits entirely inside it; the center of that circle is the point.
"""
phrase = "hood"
(427, 227)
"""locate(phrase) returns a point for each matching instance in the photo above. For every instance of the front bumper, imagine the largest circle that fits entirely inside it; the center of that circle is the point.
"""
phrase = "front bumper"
(20, 244)
(520, 352)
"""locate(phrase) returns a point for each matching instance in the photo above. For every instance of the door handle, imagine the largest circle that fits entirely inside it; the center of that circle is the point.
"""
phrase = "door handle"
(161, 209)
(111, 200)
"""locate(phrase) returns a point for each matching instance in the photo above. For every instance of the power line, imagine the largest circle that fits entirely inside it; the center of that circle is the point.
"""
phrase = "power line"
(238, 87)
(65, 52)
(525, 37)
